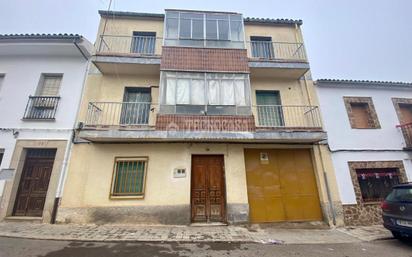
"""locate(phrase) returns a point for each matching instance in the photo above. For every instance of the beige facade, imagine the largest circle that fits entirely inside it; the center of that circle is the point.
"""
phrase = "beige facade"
(167, 198)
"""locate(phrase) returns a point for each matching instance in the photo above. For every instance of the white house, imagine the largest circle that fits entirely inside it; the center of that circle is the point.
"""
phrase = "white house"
(369, 126)
(41, 82)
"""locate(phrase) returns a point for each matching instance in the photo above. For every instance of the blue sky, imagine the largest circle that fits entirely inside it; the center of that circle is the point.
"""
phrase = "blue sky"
(351, 39)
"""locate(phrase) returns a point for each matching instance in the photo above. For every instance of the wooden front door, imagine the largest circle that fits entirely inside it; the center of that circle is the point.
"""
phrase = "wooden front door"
(208, 189)
(34, 182)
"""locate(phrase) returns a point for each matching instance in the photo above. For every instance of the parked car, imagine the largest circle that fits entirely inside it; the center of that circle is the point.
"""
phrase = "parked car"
(397, 211)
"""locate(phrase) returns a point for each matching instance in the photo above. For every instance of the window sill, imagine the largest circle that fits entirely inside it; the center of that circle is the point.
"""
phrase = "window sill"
(126, 197)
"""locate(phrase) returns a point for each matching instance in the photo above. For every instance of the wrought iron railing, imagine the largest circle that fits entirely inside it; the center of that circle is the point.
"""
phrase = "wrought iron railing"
(268, 50)
(407, 133)
(130, 45)
(119, 113)
(287, 116)
(41, 107)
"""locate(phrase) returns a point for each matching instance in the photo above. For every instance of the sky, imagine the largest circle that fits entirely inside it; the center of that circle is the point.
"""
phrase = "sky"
(345, 39)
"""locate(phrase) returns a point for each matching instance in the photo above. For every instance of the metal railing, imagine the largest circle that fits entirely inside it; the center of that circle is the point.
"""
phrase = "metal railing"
(287, 116)
(269, 50)
(407, 133)
(131, 45)
(41, 107)
(191, 109)
(118, 113)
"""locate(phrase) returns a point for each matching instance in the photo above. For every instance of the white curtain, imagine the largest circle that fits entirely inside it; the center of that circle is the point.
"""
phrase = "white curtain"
(171, 91)
(240, 92)
(198, 92)
(228, 93)
(183, 91)
(213, 91)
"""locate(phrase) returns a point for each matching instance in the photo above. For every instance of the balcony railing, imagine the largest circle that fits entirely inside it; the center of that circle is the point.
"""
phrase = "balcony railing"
(129, 45)
(268, 50)
(41, 107)
(119, 113)
(287, 116)
(407, 133)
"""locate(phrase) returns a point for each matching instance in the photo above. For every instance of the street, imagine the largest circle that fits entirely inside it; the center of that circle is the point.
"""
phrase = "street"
(12, 247)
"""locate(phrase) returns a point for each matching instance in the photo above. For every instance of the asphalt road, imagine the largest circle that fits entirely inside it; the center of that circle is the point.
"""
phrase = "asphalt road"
(11, 247)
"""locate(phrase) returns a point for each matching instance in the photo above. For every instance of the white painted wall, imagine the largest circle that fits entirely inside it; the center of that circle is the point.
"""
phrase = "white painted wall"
(347, 144)
(21, 78)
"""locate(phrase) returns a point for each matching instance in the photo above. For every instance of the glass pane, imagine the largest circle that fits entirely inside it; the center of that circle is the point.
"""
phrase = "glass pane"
(227, 92)
(50, 86)
(236, 31)
(223, 30)
(240, 92)
(213, 91)
(170, 91)
(211, 29)
(198, 92)
(171, 28)
(183, 91)
(236, 17)
(172, 14)
(197, 30)
(185, 26)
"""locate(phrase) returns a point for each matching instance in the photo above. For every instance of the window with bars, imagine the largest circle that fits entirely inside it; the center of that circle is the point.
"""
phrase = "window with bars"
(129, 177)
(49, 85)
(375, 184)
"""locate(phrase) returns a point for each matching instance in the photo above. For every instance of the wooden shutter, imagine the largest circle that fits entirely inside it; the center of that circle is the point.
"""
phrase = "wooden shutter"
(49, 85)
(361, 115)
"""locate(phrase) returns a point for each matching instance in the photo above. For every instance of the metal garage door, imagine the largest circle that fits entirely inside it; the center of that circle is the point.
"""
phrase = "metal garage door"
(281, 185)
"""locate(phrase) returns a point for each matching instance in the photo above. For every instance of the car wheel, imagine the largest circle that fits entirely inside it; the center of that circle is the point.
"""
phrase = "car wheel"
(397, 235)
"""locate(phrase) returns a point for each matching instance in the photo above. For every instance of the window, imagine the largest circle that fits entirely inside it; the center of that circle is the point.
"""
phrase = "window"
(1, 155)
(49, 85)
(262, 47)
(361, 113)
(143, 42)
(204, 29)
(375, 184)
(198, 90)
(136, 106)
(129, 177)
(1, 81)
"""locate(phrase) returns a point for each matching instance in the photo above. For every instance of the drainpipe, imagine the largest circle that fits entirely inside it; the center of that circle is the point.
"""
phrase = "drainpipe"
(67, 155)
(325, 176)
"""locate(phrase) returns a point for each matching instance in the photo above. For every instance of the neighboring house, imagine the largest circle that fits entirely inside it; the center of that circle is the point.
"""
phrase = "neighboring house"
(194, 116)
(369, 125)
(41, 84)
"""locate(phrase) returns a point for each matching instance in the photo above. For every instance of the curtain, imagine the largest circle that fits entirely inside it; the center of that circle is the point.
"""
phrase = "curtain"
(227, 92)
(171, 91)
(213, 91)
(240, 92)
(183, 91)
(198, 92)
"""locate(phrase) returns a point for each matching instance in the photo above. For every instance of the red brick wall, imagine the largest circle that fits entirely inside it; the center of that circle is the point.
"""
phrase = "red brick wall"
(173, 122)
(204, 59)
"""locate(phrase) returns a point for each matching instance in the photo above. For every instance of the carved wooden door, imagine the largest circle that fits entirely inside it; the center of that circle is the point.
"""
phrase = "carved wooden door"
(208, 189)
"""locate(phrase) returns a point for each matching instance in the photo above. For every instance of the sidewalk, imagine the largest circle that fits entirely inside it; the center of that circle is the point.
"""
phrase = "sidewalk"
(129, 233)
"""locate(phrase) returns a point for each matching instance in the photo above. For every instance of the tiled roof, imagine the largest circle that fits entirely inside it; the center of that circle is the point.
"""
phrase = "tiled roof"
(272, 21)
(161, 16)
(347, 82)
(40, 36)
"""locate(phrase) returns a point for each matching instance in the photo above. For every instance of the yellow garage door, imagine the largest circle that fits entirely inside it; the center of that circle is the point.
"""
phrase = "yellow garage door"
(281, 185)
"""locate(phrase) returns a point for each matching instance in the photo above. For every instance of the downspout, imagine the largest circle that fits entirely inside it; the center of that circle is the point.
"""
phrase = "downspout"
(67, 156)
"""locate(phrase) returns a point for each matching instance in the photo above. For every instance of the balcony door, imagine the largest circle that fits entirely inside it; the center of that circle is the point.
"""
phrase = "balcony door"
(262, 47)
(136, 106)
(143, 43)
(269, 108)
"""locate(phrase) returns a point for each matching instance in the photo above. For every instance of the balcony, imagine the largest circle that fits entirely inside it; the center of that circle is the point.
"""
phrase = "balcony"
(143, 121)
(407, 134)
(278, 59)
(287, 117)
(128, 54)
(41, 108)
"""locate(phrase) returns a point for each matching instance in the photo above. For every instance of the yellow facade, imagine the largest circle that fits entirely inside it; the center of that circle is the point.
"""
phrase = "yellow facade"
(167, 199)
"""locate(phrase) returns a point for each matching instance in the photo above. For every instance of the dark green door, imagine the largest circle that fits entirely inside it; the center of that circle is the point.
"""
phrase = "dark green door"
(269, 108)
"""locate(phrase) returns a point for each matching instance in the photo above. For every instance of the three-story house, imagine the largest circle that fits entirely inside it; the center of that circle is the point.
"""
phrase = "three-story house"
(199, 117)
